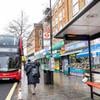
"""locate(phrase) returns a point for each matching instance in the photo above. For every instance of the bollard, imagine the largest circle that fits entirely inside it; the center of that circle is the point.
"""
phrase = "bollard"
(20, 94)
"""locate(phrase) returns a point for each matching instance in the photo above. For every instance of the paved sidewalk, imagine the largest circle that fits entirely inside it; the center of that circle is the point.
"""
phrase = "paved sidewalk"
(64, 88)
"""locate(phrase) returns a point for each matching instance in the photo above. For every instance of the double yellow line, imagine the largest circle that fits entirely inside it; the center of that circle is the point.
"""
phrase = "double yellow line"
(11, 91)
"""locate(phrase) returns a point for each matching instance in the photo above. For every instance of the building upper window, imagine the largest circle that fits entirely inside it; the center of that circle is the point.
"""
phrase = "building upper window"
(40, 32)
(60, 16)
(74, 2)
(55, 8)
(53, 22)
(56, 28)
(75, 6)
(61, 25)
(88, 1)
(59, 3)
(56, 20)
(62, 1)
(63, 12)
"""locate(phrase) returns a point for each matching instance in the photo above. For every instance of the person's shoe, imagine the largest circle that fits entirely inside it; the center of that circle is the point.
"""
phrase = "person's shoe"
(33, 93)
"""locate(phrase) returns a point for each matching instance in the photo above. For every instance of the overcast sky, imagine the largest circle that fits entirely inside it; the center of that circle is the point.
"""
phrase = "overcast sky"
(11, 9)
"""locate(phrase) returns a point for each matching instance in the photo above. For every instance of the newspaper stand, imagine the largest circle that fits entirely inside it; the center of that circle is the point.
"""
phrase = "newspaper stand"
(83, 27)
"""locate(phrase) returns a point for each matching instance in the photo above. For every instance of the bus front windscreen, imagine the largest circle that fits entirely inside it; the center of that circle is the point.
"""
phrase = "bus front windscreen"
(9, 63)
(9, 53)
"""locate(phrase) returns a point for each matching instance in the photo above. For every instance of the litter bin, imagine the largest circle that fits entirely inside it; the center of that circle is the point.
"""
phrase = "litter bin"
(68, 70)
(48, 77)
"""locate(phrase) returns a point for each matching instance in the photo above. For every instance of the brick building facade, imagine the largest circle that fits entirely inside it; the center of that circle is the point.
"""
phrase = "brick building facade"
(34, 41)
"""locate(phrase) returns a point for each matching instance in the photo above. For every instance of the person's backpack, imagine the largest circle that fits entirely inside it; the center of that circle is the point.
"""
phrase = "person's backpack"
(28, 68)
(34, 72)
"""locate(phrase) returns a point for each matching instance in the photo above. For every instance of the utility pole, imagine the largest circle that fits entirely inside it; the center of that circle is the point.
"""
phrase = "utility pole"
(48, 74)
(51, 28)
(21, 27)
(51, 72)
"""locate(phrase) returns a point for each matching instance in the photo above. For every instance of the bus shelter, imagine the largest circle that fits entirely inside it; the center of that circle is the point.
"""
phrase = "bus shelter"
(84, 26)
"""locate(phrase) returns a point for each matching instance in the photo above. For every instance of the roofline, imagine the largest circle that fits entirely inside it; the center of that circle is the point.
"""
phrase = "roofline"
(77, 17)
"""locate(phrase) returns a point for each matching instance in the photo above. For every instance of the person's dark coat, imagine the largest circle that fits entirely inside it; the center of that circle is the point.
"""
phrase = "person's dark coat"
(31, 79)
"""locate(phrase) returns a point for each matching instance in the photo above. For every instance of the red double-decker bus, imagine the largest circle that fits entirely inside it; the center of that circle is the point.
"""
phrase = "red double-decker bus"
(10, 57)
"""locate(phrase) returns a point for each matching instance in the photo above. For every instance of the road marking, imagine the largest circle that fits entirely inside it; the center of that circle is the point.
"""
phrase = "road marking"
(11, 92)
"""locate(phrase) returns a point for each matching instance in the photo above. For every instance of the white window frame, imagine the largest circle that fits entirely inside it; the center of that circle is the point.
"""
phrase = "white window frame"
(88, 2)
(60, 16)
(75, 6)
(75, 9)
(56, 20)
(63, 13)
(74, 2)
(59, 3)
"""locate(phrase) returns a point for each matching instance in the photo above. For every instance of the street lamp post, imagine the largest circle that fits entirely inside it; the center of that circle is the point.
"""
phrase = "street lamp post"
(48, 74)
(51, 72)
(51, 28)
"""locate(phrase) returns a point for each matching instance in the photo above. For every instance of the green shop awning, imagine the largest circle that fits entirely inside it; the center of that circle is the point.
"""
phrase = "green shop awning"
(58, 45)
(48, 56)
(56, 56)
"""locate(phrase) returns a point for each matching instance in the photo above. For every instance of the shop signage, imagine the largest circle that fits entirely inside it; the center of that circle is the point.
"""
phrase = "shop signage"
(52, 63)
(46, 34)
(58, 45)
(46, 43)
(76, 45)
(76, 71)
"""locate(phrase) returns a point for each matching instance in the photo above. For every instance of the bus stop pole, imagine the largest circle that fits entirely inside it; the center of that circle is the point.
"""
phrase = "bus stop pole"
(89, 48)
(50, 71)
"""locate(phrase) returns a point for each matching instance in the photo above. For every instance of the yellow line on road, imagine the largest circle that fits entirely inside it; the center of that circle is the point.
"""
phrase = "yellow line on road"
(11, 92)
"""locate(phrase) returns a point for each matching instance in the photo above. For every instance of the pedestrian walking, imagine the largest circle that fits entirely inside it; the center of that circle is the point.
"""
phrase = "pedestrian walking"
(33, 75)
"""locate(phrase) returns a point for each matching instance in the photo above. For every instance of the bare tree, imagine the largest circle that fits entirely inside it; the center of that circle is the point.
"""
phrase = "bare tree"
(19, 26)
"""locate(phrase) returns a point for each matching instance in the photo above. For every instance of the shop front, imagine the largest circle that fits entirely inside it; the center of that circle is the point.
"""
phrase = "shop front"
(95, 55)
(95, 51)
(57, 66)
(85, 26)
(71, 64)
(55, 56)
(55, 61)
